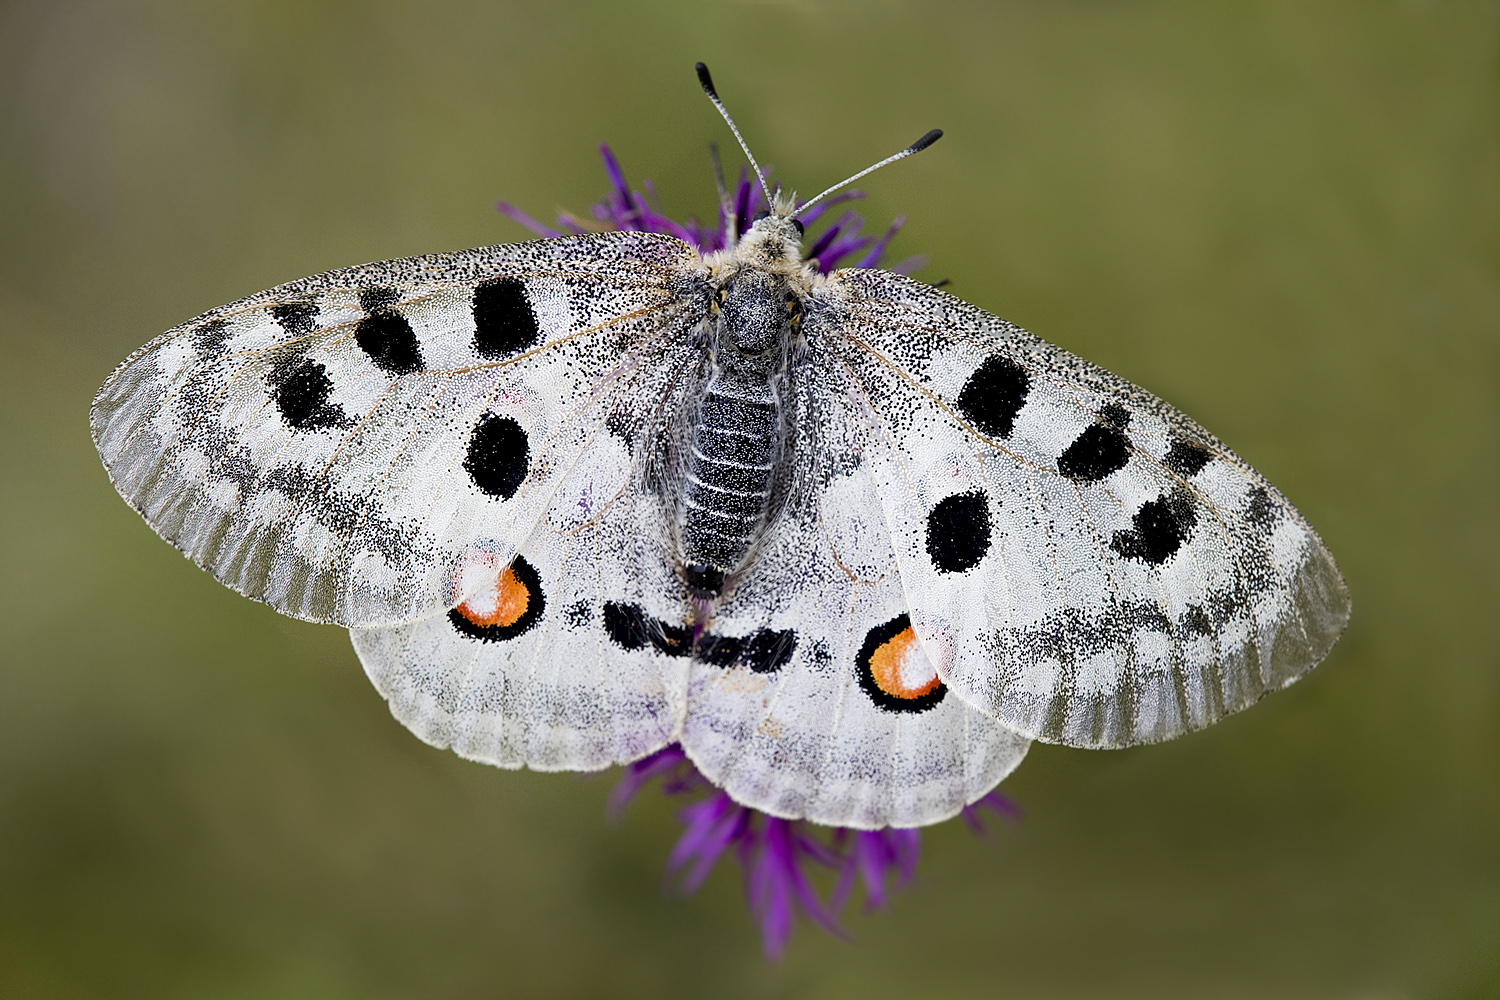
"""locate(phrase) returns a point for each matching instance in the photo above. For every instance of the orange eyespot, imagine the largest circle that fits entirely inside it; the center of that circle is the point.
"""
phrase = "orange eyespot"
(895, 671)
(900, 669)
(502, 604)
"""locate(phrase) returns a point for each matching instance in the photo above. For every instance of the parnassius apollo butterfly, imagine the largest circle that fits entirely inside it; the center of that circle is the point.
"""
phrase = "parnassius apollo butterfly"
(851, 541)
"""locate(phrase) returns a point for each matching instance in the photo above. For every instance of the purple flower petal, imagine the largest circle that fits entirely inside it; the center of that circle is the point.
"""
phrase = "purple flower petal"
(1000, 805)
(506, 208)
(821, 244)
(878, 247)
(622, 207)
(638, 773)
(712, 826)
(816, 212)
(746, 197)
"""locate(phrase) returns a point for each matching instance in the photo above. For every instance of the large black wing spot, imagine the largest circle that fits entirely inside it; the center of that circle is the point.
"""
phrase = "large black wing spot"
(498, 456)
(1158, 529)
(763, 652)
(510, 608)
(1100, 450)
(301, 392)
(390, 342)
(629, 627)
(993, 395)
(883, 669)
(768, 650)
(504, 322)
(958, 532)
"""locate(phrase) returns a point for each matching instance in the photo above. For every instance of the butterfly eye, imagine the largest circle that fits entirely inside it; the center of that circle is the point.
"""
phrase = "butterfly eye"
(762, 214)
(800, 230)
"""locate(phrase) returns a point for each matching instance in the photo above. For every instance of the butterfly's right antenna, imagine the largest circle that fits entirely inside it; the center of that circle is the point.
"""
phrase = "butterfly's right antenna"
(916, 147)
(713, 95)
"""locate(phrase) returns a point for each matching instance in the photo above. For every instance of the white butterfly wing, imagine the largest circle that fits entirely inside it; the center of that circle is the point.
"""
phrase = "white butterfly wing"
(332, 446)
(812, 698)
(540, 666)
(1080, 559)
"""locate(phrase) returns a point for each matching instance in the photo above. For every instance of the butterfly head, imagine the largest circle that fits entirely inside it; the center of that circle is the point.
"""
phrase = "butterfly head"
(774, 241)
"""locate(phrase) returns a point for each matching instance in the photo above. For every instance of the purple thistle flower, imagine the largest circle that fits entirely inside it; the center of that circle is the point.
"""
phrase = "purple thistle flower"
(775, 855)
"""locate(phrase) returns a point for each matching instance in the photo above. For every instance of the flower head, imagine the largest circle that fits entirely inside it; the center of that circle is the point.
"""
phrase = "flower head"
(776, 856)
(842, 244)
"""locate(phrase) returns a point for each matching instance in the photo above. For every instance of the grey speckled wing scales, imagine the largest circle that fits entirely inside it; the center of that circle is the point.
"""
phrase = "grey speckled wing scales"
(1081, 560)
(813, 698)
(332, 446)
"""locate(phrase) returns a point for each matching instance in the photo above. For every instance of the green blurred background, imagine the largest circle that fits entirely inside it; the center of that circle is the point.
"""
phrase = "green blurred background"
(1284, 217)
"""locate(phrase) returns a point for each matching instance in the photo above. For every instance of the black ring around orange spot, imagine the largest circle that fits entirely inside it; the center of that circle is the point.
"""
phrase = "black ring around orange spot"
(520, 584)
(896, 630)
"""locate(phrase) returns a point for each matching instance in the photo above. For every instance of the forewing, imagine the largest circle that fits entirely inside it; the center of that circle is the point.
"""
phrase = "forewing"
(1081, 559)
(332, 446)
(812, 697)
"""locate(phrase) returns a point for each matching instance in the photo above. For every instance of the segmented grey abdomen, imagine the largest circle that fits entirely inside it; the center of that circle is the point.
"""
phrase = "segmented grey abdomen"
(730, 470)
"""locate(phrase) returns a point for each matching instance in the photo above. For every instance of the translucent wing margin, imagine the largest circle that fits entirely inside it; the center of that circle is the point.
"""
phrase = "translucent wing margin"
(332, 445)
(1081, 560)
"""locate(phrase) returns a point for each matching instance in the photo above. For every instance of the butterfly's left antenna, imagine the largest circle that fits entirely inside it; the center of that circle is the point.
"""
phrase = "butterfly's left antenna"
(713, 95)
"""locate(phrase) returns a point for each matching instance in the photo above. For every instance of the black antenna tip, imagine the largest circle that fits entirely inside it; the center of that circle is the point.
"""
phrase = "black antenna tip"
(920, 144)
(707, 81)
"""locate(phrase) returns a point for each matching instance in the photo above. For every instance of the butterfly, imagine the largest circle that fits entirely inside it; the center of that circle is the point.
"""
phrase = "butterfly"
(850, 541)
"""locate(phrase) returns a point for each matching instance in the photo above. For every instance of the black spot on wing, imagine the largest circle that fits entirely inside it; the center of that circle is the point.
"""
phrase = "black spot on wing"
(1185, 458)
(625, 624)
(993, 395)
(629, 627)
(763, 652)
(768, 650)
(1158, 529)
(210, 337)
(1115, 415)
(1195, 622)
(958, 532)
(504, 322)
(390, 342)
(498, 456)
(1100, 450)
(301, 388)
(376, 298)
(1260, 511)
(296, 318)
